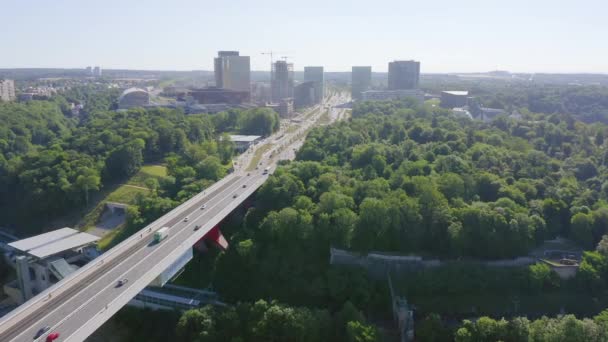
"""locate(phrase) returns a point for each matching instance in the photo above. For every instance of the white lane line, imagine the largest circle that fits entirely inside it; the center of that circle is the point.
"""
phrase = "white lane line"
(89, 269)
(259, 179)
(233, 186)
(172, 238)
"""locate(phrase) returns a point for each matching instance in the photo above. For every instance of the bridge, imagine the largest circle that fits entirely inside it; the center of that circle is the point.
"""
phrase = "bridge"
(81, 302)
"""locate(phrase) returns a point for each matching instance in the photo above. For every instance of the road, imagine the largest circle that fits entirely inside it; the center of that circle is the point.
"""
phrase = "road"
(79, 304)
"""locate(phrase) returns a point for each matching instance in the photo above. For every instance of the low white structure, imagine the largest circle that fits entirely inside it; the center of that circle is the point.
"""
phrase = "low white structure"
(45, 259)
(243, 142)
(133, 97)
(387, 95)
(462, 112)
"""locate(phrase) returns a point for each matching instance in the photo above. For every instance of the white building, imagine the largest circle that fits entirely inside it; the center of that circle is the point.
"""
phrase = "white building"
(243, 142)
(45, 259)
(462, 112)
(7, 90)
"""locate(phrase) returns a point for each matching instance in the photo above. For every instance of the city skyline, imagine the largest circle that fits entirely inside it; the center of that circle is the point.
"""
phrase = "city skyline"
(466, 36)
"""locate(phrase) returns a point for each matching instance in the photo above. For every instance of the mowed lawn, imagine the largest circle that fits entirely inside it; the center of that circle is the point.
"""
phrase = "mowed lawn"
(148, 171)
(258, 156)
(123, 193)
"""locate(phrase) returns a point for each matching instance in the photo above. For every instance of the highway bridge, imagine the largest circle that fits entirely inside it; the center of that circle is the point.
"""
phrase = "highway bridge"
(77, 305)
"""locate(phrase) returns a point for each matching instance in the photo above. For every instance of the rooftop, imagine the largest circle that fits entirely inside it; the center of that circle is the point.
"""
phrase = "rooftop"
(244, 138)
(456, 92)
(56, 241)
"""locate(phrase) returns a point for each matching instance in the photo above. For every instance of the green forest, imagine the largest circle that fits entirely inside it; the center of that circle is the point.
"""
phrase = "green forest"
(50, 164)
(398, 177)
(405, 178)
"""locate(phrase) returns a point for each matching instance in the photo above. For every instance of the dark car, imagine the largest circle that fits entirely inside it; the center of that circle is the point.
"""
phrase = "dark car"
(42, 331)
(234, 196)
(121, 282)
(197, 227)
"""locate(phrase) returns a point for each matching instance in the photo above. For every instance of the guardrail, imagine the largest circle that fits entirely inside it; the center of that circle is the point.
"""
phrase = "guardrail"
(116, 303)
(60, 286)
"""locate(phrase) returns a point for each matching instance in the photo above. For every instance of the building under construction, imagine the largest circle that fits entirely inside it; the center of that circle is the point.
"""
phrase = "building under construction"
(282, 80)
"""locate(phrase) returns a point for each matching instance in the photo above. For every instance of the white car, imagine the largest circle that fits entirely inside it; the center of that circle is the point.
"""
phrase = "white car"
(203, 206)
(186, 219)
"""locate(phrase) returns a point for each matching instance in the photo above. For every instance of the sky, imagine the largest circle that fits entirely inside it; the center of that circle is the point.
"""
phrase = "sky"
(444, 35)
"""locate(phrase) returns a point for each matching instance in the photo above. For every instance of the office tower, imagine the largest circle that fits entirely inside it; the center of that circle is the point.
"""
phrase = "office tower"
(232, 71)
(97, 71)
(304, 94)
(7, 90)
(282, 80)
(315, 74)
(89, 71)
(403, 75)
(361, 80)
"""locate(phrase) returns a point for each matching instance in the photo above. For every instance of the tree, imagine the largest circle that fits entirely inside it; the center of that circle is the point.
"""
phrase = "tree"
(581, 228)
(451, 185)
(88, 180)
(125, 161)
(359, 332)
(210, 168)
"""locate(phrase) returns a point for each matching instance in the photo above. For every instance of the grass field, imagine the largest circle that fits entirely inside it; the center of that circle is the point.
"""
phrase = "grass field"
(123, 193)
(324, 119)
(148, 171)
(433, 102)
(107, 239)
(257, 156)
(291, 129)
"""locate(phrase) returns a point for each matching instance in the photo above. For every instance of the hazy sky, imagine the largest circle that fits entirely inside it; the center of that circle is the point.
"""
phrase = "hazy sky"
(445, 35)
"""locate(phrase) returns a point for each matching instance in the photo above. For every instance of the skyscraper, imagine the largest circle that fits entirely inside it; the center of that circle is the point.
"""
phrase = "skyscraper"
(361, 80)
(232, 71)
(7, 90)
(282, 80)
(315, 74)
(97, 71)
(403, 75)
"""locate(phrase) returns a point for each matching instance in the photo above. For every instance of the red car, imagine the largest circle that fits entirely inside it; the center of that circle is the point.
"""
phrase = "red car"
(52, 337)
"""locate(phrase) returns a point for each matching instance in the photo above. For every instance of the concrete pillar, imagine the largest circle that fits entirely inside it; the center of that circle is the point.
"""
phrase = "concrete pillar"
(23, 277)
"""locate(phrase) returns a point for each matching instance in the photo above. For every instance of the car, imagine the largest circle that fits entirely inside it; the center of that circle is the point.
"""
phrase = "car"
(121, 282)
(203, 206)
(197, 227)
(42, 331)
(248, 174)
(52, 337)
(257, 168)
(186, 219)
(234, 196)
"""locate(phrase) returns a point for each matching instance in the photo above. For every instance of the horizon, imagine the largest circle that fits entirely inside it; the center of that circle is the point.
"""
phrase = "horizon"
(325, 71)
(446, 37)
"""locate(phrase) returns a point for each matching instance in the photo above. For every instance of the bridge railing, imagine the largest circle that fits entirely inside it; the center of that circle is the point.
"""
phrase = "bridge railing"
(109, 255)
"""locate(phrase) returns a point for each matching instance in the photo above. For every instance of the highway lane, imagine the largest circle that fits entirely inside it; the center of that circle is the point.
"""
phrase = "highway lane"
(136, 267)
(74, 306)
(85, 305)
(104, 269)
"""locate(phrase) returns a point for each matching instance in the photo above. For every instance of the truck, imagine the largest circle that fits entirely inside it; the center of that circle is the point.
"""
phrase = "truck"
(161, 234)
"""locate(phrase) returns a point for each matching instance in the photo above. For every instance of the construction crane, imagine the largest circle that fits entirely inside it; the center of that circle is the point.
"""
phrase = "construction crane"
(285, 58)
(271, 53)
